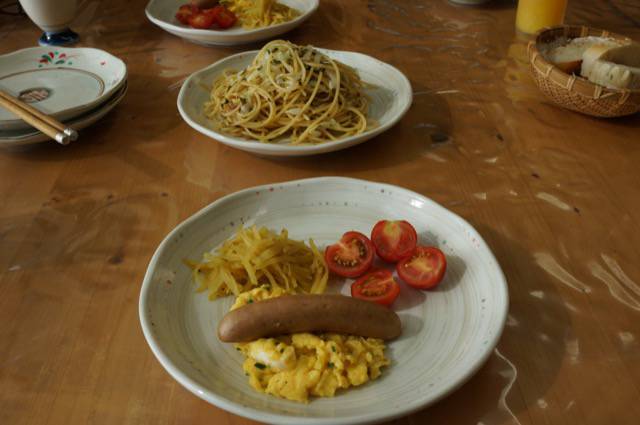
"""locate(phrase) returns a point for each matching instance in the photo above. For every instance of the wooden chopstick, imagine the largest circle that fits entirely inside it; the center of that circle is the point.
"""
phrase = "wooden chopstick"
(43, 122)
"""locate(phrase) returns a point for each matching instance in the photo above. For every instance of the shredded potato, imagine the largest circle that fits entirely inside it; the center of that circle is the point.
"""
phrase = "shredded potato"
(260, 256)
(260, 13)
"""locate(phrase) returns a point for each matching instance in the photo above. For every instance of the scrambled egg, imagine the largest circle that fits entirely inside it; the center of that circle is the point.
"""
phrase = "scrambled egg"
(299, 365)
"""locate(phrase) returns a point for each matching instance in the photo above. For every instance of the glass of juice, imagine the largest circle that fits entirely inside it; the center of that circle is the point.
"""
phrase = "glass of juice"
(534, 15)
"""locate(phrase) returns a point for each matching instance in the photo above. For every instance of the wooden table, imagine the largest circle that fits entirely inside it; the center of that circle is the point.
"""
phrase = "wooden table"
(555, 194)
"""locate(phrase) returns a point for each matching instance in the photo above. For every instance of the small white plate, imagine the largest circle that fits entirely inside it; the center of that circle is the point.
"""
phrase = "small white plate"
(61, 82)
(391, 98)
(448, 333)
(162, 13)
(11, 138)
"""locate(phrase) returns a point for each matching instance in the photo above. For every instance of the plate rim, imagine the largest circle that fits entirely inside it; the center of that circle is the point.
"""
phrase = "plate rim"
(260, 415)
(77, 110)
(225, 37)
(291, 150)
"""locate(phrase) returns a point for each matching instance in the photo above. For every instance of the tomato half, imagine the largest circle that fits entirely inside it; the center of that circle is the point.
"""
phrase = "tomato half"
(223, 17)
(378, 286)
(394, 240)
(202, 20)
(185, 12)
(424, 269)
(351, 256)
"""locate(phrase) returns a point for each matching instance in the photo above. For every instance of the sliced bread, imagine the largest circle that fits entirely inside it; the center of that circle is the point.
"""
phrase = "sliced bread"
(568, 56)
(617, 67)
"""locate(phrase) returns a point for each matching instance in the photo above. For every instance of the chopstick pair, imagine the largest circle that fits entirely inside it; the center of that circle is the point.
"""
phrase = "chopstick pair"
(43, 122)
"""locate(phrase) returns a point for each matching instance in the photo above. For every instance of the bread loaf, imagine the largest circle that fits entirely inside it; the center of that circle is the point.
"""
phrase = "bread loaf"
(568, 56)
(617, 67)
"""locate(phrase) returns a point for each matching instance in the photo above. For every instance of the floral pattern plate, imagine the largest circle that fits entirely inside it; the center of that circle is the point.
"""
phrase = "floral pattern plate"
(61, 82)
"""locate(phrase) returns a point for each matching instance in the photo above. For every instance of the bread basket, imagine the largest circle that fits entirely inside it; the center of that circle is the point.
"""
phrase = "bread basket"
(574, 92)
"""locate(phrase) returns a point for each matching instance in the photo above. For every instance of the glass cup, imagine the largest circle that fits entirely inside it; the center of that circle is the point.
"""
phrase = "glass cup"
(53, 17)
(534, 15)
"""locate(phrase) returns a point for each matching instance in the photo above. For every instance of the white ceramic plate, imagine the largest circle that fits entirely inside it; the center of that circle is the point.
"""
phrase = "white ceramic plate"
(448, 333)
(62, 82)
(162, 13)
(391, 98)
(11, 138)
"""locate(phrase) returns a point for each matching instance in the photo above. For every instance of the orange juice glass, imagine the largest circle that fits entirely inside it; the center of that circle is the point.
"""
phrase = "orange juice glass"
(533, 15)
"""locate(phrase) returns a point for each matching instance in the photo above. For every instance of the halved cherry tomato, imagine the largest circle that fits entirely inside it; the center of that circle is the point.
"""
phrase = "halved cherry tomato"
(185, 12)
(351, 256)
(223, 16)
(378, 286)
(424, 269)
(202, 20)
(394, 240)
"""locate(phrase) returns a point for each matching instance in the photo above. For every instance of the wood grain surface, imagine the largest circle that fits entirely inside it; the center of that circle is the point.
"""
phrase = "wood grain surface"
(555, 194)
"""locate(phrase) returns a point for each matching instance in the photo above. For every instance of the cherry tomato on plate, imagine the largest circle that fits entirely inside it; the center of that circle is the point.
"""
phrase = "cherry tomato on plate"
(223, 17)
(424, 268)
(351, 256)
(394, 240)
(185, 12)
(377, 286)
(202, 20)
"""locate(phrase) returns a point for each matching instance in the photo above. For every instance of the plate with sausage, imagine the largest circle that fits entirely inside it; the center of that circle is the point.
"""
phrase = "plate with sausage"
(419, 349)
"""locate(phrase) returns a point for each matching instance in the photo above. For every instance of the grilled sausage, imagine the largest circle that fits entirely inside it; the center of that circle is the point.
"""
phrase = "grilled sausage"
(309, 313)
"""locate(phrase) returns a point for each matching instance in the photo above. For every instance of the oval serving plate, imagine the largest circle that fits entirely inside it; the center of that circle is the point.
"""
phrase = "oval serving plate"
(448, 333)
(391, 97)
(162, 13)
(61, 82)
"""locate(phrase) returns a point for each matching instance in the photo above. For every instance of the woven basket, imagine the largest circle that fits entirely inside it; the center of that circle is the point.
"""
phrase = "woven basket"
(574, 92)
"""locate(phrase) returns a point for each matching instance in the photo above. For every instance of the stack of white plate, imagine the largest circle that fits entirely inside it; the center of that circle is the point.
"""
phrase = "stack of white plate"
(75, 86)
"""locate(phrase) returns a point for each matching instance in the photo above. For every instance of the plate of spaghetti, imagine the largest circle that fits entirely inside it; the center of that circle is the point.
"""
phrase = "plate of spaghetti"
(256, 20)
(289, 100)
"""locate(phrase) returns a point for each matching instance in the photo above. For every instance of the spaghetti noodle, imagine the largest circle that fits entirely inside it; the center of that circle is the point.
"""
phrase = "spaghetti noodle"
(289, 92)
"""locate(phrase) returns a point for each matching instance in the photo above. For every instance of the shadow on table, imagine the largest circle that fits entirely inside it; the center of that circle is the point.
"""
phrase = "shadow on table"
(140, 118)
(529, 355)
(630, 121)
(426, 127)
(490, 5)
